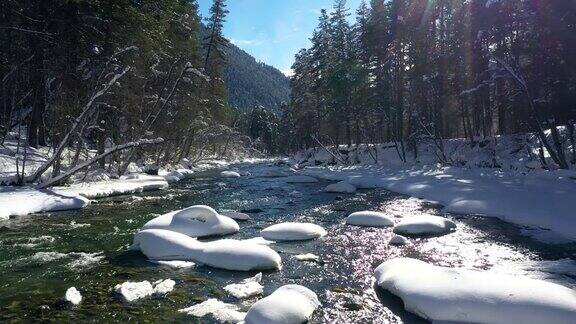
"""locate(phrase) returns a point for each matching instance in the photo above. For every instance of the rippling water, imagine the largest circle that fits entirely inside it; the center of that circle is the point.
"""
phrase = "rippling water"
(43, 255)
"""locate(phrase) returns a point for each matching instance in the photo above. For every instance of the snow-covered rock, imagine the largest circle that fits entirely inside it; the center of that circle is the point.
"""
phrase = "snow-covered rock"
(132, 291)
(222, 312)
(300, 179)
(73, 296)
(442, 294)
(176, 264)
(247, 288)
(236, 215)
(399, 240)
(307, 257)
(158, 244)
(424, 225)
(290, 304)
(341, 187)
(195, 221)
(293, 232)
(230, 174)
(370, 218)
(163, 287)
(22, 202)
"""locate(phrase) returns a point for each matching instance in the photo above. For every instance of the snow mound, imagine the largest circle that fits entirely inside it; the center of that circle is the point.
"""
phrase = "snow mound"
(235, 215)
(293, 232)
(195, 221)
(399, 240)
(176, 264)
(370, 218)
(443, 294)
(73, 296)
(159, 245)
(259, 240)
(300, 179)
(22, 202)
(163, 287)
(230, 174)
(341, 187)
(424, 225)
(307, 257)
(222, 312)
(132, 291)
(247, 288)
(288, 304)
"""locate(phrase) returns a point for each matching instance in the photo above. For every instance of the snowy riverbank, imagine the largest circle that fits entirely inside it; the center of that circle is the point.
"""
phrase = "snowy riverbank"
(542, 202)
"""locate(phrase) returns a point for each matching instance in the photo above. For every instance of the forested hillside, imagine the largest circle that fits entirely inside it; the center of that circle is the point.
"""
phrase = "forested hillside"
(411, 72)
(251, 83)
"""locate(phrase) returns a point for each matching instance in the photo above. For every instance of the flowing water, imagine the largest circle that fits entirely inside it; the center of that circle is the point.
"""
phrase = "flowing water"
(43, 255)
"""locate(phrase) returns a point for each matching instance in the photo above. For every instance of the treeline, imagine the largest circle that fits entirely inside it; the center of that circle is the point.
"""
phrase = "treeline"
(413, 71)
(94, 75)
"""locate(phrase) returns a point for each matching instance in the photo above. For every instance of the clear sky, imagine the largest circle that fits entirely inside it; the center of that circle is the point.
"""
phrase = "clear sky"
(273, 30)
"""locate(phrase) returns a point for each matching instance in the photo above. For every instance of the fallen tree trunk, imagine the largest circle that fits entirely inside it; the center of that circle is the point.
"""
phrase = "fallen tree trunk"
(117, 148)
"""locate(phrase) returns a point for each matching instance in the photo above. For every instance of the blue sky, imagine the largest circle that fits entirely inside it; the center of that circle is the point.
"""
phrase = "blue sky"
(272, 30)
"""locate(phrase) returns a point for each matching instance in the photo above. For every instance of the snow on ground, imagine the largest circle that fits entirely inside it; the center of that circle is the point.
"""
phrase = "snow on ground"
(370, 218)
(293, 232)
(222, 312)
(159, 245)
(442, 294)
(424, 225)
(539, 200)
(19, 202)
(288, 304)
(247, 288)
(73, 296)
(195, 221)
(118, 187)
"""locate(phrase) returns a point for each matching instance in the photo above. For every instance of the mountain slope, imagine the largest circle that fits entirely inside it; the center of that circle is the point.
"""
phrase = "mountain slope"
(250, 83)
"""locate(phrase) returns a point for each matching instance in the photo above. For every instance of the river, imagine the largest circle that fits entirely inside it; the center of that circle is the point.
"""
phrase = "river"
(43, 255)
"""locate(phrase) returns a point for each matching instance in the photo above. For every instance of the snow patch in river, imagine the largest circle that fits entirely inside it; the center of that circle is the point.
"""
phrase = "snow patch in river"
(222, 312)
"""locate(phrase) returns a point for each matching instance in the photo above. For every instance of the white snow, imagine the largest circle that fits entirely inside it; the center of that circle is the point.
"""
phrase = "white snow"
(175, 264)
(127, 185)
(230, 174)
(259, 240)
(370, 218)
(222, 312)
(73, 296)
(442, 294)
(399, 240)
(300, 179)
(235, 215)
(132, 291)
(163, 287)
(307, 257)
(538, 200)
(341, 187)
(247, 288)
(195, 221)
(288, 304)
(293, 232)
(22, 202)
(158, 245)
(424, 225)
